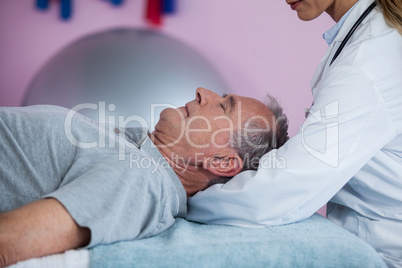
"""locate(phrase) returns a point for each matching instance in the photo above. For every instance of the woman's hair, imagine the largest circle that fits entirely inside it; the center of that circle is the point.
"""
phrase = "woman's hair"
(392, 10)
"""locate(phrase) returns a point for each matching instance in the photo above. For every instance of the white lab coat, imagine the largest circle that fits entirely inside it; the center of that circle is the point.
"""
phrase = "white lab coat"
(348, 151)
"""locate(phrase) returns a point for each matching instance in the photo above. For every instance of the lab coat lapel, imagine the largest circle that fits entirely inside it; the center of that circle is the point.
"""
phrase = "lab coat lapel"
(360, 7)
(358, 10)
(320, 69)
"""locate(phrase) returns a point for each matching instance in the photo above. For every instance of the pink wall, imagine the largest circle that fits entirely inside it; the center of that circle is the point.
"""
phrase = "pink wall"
(258, 46)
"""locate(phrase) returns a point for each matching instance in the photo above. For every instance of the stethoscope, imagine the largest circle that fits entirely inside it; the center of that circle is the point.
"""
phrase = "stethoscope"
(350, 33)
(352, 30)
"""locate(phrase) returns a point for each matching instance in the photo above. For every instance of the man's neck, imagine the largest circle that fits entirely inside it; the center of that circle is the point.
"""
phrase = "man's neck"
(339, 8)
(193, 177)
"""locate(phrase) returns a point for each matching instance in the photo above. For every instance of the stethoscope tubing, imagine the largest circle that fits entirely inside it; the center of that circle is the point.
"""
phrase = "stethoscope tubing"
(352, 30)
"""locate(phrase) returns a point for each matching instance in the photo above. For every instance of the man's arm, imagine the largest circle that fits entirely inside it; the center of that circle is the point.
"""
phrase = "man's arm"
(41, 228)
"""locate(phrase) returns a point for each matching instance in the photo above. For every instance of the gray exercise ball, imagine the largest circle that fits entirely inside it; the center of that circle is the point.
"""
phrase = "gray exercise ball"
(123, 73)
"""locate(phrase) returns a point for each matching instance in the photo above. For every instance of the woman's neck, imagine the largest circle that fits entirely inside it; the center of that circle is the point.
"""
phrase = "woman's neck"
(339, 8)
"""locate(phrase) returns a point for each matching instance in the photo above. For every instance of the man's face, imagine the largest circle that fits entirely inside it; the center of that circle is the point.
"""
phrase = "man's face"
(204, 126)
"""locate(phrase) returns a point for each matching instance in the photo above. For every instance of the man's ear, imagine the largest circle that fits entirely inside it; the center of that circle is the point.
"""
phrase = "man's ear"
(227, 166)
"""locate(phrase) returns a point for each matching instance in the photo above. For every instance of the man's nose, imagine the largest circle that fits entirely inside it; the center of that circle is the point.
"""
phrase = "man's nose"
(204, 95)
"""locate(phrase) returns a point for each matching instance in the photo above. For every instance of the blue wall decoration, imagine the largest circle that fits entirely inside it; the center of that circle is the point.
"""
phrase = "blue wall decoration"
(155, 9)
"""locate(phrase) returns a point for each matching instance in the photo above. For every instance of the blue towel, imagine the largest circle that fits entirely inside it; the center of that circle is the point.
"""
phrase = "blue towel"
(315, 242)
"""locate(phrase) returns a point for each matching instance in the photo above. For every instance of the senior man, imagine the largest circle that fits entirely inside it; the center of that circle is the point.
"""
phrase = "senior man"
(62, 188)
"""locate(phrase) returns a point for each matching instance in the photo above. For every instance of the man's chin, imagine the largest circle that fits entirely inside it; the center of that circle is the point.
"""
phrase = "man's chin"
(173, 114)
(164, 135)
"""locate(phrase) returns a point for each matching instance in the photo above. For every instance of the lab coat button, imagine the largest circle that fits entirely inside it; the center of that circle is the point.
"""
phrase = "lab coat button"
(116, 130)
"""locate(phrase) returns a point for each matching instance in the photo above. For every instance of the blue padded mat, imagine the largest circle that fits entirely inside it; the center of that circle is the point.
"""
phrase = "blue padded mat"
(315, 242)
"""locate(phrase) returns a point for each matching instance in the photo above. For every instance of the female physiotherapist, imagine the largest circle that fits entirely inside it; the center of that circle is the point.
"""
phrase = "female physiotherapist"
(348, 151)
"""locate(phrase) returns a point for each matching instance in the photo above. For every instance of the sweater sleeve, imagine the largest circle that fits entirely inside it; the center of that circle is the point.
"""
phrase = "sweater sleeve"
(117, 202)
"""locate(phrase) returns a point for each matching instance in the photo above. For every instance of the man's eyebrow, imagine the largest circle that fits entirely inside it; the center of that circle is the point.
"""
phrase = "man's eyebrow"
(232, 102)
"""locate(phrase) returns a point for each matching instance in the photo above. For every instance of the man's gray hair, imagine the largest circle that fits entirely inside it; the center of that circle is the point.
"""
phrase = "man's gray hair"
(256, 139)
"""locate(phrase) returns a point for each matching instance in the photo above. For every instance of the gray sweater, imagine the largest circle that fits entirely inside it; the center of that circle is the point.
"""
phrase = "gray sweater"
(117, 185)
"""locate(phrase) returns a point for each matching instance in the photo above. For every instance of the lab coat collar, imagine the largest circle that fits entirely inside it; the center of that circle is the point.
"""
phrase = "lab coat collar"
(359, 8)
